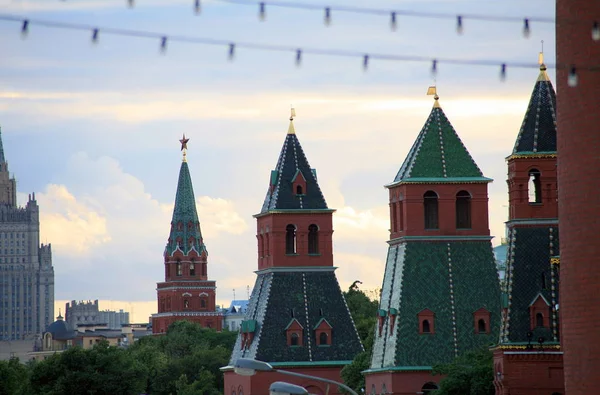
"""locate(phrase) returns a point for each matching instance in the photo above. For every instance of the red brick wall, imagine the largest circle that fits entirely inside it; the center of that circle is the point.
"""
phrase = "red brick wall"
(412, 215)
(259, 383)
(399, 383)
(275, 225)
(528, 373)
(578, 191)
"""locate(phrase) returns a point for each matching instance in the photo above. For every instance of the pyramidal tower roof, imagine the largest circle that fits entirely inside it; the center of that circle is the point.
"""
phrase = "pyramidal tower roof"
(292, 164)
(185, 227)
(2, 158)
(438, 154)
(538, 130)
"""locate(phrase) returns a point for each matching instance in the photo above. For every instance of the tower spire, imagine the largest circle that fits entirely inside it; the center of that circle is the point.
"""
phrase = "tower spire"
(291, 129)
(543, 75)
(2, 158)
(432, 90)
(184, 142)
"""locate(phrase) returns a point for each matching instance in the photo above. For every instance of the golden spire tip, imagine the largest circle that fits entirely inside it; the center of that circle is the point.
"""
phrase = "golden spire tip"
(432, 90)
(291, 129)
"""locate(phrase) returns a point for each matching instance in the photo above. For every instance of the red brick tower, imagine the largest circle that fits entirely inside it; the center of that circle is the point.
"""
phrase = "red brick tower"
(528, 360)
(297, 318)
(186, 293)
(579, 197)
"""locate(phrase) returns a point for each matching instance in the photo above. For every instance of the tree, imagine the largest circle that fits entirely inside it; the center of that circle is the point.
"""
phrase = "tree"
(364, 314)
(470, 373)
(13, 377)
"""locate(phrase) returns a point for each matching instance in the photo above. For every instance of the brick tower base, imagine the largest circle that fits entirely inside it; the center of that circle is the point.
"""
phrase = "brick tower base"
(521, 372)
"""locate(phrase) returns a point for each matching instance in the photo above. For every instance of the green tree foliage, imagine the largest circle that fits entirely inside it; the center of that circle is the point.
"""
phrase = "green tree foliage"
(364, 314)
(469, 374)
(184, 361)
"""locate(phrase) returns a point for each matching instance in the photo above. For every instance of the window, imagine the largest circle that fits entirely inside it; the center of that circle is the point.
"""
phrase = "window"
(430, 206)
(481, 327)
(322, 338)
(298, 189)
(178, 268)
(290, 239)
(539, 320)
(463, 210)
(186, 304)
(294, 339)
(543, 278)
(534, 186)
(204, 268)
(192, 269)
(203, 303)
(426, 328)
(313, 239)
(393, 217)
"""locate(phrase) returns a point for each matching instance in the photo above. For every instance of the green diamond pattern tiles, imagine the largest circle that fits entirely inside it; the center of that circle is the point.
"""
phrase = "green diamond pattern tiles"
(438, 153)
(453, 279)
(185, 224)
(530, 273)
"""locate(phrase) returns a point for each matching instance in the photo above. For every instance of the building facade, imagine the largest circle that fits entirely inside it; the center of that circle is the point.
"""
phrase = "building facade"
(440, 295)
(186, 293)
(234, 315)
(26, 271)
(528, 359)
(78, 313)
(297, 317)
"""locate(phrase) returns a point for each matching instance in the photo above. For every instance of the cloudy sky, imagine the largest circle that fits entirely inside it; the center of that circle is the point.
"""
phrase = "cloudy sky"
(94, 129)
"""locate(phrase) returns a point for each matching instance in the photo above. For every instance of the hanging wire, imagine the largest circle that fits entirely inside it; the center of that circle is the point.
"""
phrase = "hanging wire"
(25, 23)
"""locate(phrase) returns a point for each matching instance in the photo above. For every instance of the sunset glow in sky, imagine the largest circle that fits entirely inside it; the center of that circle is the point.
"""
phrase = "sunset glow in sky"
(93, 129)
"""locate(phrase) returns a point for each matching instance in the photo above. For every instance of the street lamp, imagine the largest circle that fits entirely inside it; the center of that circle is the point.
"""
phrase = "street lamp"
(249, 367)
(283, 388)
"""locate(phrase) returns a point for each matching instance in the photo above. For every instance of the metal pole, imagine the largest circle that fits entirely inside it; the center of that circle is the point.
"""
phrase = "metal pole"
(306, 376)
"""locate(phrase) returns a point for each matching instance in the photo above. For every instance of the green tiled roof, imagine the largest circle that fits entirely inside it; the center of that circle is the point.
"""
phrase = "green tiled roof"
(538, 130)
(309, 297)
(291, 163)
(185, 223)
(530, 273)
(438, 153)
(452, 279)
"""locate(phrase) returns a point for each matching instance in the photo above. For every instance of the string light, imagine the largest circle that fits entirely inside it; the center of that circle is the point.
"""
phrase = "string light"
(503, 72)
(596, 31)
(459, 25)
(261, 12)
(393, 22)
(365, 62)
(231, 51)
(25, 23)
(197, 8)
(298, 57)
(572, 80)
(434, 67)
(25, 28)
(526, 28)
(94, 36)
(130, 3)
(163, 44)
(327, 19)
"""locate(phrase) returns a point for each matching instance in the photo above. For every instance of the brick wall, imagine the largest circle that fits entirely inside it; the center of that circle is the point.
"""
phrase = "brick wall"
(578, 191)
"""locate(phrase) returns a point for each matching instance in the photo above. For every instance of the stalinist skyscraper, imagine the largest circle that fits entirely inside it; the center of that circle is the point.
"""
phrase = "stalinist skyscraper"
(26, 272)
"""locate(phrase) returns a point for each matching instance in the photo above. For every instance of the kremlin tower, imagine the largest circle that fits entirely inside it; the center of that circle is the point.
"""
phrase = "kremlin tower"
(186, 293)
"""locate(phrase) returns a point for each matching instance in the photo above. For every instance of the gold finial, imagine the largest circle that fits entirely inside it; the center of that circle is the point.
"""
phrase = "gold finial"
(184, 142)
(543, 75)
(291, 129)
(432, 90)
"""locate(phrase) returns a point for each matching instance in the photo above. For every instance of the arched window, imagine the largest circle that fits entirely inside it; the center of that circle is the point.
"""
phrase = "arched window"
(240, 390)
(535, 186)
(430, 206)
(481, 327)
(294, 339)
(428, 387)
(178, 268)
(290, 239)
(186, 304)
(298, 189)
(192, 269)
(313, 239)
(323, 339)
(204, 268)
(203, 303)
(426, 328)
(463, 210)
(539, 320)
